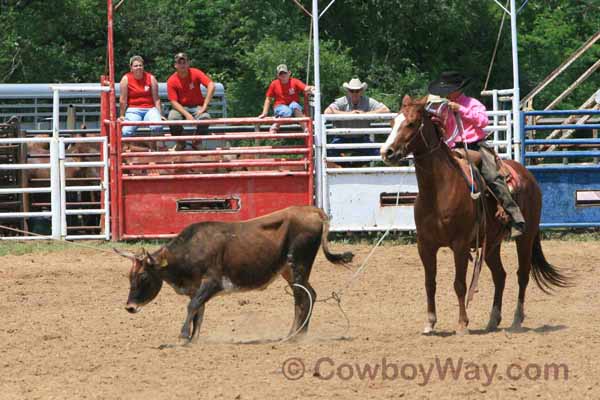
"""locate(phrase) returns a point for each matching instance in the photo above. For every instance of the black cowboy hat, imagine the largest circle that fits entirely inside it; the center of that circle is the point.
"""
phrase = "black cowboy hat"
(448, 82)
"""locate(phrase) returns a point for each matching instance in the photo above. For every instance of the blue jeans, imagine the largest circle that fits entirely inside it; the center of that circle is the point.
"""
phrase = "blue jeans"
(141, 114)
(283, 111)
(354, 152)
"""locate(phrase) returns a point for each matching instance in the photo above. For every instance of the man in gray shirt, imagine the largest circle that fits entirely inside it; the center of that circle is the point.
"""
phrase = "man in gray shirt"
(355, 102)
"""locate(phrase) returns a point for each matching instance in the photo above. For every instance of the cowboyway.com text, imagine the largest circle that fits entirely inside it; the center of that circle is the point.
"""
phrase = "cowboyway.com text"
(423, 373)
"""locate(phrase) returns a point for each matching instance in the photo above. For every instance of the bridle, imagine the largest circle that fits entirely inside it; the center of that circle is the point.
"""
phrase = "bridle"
(421, 135)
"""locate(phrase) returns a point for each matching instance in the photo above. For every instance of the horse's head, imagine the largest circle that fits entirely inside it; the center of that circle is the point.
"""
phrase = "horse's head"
(407, 132)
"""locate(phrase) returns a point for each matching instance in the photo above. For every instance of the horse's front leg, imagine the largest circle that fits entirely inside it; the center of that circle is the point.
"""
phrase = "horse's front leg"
(428, 254)
(461, 261)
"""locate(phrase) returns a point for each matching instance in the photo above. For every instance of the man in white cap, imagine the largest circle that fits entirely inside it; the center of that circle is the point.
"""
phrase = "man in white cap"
(355, 102)
(285, 92)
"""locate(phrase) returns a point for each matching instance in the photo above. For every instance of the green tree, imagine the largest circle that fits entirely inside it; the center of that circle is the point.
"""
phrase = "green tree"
(397, 47)
(248, 92)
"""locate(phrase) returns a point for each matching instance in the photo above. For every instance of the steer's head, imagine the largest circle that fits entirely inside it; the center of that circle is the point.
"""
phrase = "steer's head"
(144, 278)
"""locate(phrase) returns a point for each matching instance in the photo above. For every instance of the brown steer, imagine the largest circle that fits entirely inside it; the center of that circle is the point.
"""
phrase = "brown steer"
(211, 258)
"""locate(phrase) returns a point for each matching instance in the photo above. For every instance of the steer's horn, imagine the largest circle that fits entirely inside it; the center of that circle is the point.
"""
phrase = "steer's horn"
(126, 254)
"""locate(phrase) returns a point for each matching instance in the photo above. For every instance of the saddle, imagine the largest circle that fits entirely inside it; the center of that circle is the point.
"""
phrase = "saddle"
(511, 177)
(476, 181)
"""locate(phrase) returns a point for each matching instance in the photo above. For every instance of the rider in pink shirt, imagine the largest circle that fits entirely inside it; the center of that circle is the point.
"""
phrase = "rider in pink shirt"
(473, 119)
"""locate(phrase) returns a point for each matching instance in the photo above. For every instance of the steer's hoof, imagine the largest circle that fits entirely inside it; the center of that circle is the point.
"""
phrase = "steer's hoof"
(428, 330)
(185, 334)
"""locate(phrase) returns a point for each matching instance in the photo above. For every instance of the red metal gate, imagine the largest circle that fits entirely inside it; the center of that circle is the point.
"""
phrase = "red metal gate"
(241, 171)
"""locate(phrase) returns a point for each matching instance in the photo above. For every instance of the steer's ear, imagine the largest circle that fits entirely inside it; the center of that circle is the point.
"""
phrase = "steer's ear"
(160, 259)
(126, 254)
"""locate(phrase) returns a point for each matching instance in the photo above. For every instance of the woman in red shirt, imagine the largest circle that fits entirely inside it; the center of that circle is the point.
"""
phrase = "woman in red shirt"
(139, 99)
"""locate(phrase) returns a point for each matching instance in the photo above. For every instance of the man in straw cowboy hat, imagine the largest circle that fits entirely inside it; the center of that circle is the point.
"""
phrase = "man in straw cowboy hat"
(473, 118)
(354, 102)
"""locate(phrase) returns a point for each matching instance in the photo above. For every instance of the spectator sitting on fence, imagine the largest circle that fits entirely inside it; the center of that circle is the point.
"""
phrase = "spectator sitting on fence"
(285, 91)
(355, 102)
(187, 101)
(139, 99)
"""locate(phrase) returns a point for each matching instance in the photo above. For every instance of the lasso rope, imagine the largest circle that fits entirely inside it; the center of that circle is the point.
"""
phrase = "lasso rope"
(337, 295)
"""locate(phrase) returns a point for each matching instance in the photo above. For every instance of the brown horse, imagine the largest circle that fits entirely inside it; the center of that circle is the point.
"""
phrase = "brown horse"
(446, 216)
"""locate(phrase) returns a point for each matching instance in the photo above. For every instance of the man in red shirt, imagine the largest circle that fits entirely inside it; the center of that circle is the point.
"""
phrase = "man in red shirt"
(185, 95)
(285, 91)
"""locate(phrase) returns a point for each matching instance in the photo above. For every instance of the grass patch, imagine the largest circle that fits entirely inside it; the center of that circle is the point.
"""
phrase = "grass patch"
(18, 248)
(573, 234)
(410, 237)
(392, 238)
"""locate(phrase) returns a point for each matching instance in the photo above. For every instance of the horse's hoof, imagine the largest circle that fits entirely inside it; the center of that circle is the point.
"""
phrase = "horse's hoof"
(462, 331)
(516, 328)
(494, 322)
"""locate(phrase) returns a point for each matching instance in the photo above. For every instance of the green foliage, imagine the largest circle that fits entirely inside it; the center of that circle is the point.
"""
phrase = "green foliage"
(396, 47)
(260, 64)
(551, 33)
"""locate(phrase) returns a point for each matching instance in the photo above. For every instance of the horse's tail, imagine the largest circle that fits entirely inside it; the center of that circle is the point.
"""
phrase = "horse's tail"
(545, 275)
(336, 258)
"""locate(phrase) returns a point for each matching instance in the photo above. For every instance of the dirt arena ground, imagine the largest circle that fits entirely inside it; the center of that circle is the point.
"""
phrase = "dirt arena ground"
(65, 334)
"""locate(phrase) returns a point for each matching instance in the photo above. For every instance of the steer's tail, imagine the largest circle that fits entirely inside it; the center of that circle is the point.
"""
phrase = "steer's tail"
(336, 258)
(545, 275)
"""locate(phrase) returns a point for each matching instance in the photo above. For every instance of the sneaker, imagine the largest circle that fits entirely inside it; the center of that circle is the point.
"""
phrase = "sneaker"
(274, 128)
(178, 146)
(517, 229)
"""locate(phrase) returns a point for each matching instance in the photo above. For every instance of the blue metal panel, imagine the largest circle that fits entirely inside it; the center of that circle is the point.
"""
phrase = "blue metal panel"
(560, 183)
(555, 126)
(559, 187)
(562, 154)
(562, 141)
(561, 112)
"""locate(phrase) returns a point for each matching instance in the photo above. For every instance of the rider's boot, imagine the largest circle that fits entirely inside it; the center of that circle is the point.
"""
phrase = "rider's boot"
(498, 185)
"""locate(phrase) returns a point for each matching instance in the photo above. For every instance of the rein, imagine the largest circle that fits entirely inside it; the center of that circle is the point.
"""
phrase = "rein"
(431, 150)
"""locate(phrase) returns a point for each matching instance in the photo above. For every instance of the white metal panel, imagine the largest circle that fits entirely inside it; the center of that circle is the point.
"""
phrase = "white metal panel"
(354, 200)
(352, 196)
(33, 214)
(35, 107)
(58, 212)
(101, 190)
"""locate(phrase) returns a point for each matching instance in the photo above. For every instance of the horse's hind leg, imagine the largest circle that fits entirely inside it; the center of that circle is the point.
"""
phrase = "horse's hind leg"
(524, 249)
(494, 262)
(428, 256)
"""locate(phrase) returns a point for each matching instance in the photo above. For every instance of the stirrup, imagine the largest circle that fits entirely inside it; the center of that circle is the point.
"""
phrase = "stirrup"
(515, 233)
(517, 230)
